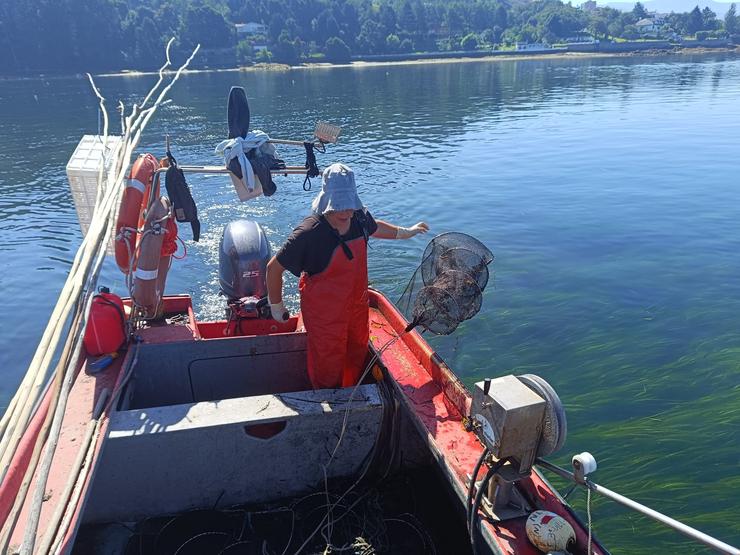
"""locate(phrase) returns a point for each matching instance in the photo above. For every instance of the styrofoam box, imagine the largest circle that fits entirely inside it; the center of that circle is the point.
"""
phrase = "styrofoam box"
(82, 173)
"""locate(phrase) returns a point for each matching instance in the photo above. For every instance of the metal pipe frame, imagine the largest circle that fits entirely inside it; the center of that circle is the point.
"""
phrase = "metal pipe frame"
(214, 170)
(688, 531)
(315, 143)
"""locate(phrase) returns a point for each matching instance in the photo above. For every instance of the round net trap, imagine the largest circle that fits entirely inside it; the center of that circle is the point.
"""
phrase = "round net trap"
(447, 287)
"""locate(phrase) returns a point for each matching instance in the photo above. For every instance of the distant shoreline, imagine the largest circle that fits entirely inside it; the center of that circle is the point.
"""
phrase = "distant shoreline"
(524, 56)
(514, 57)
(521, 56)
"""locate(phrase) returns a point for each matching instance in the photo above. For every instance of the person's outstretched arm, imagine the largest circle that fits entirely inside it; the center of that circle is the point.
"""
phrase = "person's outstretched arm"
(274, 279)
(389, 231)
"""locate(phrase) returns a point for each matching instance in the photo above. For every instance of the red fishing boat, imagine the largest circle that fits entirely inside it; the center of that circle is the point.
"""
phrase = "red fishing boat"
(220, 414)
(221, 417)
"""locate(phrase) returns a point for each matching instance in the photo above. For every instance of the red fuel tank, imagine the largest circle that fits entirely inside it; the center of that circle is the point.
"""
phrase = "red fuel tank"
(106, 324)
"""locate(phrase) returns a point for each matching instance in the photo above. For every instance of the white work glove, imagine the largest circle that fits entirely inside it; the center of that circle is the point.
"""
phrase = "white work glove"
(409, 232)
(279, 312)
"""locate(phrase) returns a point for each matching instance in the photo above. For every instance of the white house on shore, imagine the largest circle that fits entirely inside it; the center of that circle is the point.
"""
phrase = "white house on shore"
(653, 25)
(646, 26)
(250, 29)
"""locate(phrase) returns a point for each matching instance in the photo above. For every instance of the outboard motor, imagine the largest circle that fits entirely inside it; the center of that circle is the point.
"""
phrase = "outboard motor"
(242, 268)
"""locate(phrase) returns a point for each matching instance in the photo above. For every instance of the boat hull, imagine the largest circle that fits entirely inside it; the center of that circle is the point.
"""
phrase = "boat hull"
(212, 418)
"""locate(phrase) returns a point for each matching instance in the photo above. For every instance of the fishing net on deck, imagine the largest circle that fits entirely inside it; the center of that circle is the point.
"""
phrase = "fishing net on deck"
(447, 287)
(373, 521)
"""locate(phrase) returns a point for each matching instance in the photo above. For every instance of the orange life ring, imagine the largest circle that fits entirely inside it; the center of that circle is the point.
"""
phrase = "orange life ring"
(152, 264)
(133, 203)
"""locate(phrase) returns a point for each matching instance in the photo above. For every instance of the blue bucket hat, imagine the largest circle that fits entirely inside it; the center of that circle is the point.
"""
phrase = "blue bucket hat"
(338, 191)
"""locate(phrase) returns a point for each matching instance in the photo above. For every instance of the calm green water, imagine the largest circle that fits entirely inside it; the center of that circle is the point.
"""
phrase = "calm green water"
(608, 190)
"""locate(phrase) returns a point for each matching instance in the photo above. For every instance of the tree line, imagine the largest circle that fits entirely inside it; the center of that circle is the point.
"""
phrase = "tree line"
(108, 35)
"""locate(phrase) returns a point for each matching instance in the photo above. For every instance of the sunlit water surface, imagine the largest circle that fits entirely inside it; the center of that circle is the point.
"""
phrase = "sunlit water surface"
(607, 189)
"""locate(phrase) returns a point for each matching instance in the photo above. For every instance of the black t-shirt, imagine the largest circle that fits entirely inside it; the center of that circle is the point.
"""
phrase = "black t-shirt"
(311, 245)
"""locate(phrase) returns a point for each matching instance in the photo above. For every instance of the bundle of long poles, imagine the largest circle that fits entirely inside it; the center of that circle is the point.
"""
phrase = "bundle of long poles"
(70, 313)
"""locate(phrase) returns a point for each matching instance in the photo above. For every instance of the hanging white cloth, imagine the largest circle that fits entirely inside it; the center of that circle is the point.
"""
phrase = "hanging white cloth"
(237, 148)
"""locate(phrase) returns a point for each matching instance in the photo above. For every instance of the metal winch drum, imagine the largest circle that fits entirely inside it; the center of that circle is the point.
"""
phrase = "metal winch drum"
(519, 417)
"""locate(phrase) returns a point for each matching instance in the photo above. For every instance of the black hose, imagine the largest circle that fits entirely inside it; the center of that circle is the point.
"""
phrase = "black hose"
(471, 487)
(476, 506)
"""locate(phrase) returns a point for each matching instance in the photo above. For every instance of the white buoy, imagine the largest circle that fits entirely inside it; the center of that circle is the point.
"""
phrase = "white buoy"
(549, 532)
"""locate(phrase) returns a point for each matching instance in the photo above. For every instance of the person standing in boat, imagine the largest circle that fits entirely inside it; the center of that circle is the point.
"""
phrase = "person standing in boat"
(328, 251)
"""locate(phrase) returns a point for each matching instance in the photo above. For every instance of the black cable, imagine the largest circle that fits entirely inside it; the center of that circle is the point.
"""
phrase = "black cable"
(471, 487)
(476, 506)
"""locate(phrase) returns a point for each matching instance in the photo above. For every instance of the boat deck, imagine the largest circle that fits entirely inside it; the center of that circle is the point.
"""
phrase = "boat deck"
(432, 398)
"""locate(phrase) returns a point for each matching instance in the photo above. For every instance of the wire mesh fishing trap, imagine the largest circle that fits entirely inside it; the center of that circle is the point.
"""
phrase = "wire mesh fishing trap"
(447, 287)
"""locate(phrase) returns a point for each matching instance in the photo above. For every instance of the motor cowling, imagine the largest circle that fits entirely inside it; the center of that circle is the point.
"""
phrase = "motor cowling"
(243, 256)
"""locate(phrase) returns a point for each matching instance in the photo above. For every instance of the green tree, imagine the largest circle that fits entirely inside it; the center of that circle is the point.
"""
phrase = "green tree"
(275, 27)
(337, 50)
(528, 33)
(469, 42)
(407, 18)
(630, 32)
(264, 56)
(639, 11)
(731, 21)
(371, 40)
(488, 36)
(678, 22)
(480, 17)
(286, 50)
(616, 29)
(501, 17)
(54, 44)
(168, 18)
(325, 25)
(455, 21)
(598, 27)
(420, 15)
(244, 52)
(98, 36)
(349, 22)
(147, 44)
(509, 37)
(203, 25)
(392, 43)
(387, 18)
(695, 22)
(709, 19)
